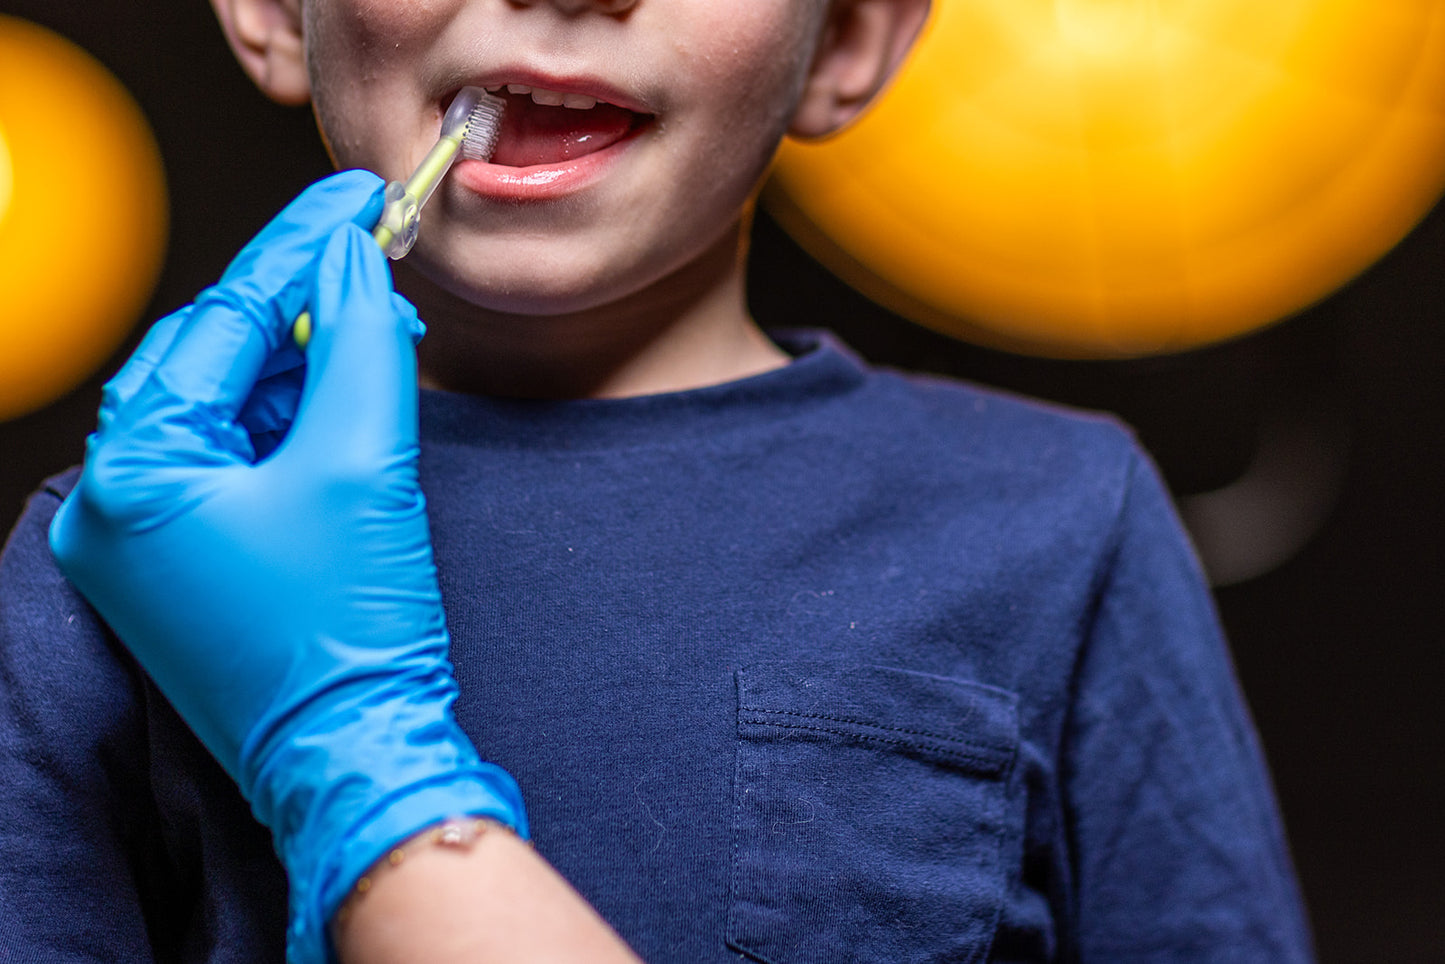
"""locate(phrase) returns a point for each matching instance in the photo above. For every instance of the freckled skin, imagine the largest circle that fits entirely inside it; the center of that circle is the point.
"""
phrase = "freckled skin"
(721, 76)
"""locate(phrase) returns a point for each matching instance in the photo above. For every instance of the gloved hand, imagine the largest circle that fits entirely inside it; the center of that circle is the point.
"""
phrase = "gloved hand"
(287, 605)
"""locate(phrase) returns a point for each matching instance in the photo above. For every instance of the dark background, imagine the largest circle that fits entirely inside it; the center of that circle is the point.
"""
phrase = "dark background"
(1340, 408)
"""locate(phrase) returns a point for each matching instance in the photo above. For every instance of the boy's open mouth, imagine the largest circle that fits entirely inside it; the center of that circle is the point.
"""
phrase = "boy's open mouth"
(542, 126)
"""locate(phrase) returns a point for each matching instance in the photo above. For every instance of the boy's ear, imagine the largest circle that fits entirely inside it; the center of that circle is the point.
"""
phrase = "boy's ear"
(863, 44)
(265, 36)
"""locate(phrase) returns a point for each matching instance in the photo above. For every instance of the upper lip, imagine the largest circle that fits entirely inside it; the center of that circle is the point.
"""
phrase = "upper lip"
(596, 87)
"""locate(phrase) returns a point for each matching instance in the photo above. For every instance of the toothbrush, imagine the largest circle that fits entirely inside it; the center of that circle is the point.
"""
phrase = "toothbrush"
(470, 129)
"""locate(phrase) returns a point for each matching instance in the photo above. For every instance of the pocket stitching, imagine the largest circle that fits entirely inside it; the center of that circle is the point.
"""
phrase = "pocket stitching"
(869, 723)
(942, 751)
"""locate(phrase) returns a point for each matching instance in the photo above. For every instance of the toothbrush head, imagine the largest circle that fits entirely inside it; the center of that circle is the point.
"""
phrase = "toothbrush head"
(475, 119)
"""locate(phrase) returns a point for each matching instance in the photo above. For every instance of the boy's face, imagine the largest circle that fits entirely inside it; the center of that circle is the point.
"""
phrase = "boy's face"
(583, 205)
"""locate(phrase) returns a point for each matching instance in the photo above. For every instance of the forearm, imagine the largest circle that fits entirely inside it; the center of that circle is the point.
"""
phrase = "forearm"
(496, 901)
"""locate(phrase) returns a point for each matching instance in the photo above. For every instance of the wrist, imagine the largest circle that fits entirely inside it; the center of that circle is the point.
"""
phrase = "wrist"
(343, 787)
(455, 834)
(323, 874)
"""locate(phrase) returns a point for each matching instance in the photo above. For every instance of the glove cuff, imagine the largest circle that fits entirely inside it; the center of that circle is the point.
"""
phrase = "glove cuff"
(482, 790)
(373, 763)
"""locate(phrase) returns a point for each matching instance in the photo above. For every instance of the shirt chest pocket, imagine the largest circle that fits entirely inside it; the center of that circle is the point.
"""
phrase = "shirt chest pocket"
(870, 815)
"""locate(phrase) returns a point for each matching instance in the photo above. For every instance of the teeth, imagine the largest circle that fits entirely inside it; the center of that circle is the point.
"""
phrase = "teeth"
(548, 98)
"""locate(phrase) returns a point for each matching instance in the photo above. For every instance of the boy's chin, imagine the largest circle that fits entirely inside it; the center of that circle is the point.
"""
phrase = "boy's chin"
(531, 293)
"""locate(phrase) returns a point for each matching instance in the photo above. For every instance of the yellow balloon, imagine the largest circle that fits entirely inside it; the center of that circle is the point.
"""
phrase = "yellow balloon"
(83, 215)
(7, 178)
(1105, 178)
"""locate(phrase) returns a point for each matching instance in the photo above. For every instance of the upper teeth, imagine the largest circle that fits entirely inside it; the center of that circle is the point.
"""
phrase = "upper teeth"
(551, 98)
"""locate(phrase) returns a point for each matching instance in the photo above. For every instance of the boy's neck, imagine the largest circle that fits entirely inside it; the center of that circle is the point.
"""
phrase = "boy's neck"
(689, 330)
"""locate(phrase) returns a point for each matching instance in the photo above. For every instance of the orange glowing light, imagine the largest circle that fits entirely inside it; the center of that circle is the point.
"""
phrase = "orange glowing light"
(83, 215)
(1096, 178)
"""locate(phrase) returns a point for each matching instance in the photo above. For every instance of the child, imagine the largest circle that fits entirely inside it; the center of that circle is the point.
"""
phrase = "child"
(790, 659)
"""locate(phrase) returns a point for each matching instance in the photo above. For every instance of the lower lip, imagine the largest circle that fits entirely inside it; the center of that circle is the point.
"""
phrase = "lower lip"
(543, 182)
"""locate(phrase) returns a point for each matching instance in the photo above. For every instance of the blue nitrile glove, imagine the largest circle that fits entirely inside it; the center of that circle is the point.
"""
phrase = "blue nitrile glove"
(287, 606)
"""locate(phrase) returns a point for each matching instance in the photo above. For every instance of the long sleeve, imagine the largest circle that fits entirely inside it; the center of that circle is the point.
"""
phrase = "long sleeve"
(76, 840)
(1178, 849)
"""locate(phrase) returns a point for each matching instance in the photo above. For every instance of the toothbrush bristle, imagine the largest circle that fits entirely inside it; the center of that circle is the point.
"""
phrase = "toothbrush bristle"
(484, 128)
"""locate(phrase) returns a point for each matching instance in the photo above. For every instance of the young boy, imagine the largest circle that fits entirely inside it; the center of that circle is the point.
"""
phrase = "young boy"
(792, 660)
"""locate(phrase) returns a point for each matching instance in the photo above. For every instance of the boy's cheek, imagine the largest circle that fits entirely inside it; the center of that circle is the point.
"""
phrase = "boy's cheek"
(379, 25)
(365, 61)
(756, 56)
(358, 45)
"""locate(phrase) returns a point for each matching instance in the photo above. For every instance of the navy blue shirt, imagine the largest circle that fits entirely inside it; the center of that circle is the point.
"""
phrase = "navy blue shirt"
(827, 664)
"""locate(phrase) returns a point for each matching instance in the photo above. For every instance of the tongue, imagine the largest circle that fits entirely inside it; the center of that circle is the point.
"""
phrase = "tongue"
(534, 134)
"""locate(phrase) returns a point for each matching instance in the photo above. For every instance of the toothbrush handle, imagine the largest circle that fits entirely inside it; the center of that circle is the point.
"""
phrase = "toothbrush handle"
(429, 173)
(400, 220)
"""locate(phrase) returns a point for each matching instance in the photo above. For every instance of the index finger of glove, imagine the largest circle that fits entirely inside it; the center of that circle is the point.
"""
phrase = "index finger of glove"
(270, 274)
(133, 374)
(235, 326)
(360, 395)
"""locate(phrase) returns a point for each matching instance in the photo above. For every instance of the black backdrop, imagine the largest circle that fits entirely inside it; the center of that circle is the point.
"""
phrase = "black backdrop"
(1339, 647)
